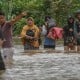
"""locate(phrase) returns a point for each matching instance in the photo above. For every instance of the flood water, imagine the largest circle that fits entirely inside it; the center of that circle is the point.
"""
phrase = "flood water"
(43, 66)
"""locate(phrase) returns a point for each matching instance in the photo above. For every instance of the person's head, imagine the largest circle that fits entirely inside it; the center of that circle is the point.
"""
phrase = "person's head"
(77, 14)
(30, 21)
(70, 20)
(47, 18)
(2, 18)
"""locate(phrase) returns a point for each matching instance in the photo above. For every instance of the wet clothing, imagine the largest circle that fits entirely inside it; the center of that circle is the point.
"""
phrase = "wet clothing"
(32, 43)
(7, 30)
(49, 43)
(68, 35)
(77, 31)
(7, 55)
(30, 47)
(7, 52)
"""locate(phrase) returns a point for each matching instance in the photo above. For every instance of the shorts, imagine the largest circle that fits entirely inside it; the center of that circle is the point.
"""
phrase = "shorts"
(7, 55)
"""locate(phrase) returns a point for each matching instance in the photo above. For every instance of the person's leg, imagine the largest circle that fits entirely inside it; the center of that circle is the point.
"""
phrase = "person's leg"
(78, 48)
(66, 49)
(73, 48)
(78, 45)
(2, 65)
(73, 45)
(8, 56)
(26, 47)
(11, 52)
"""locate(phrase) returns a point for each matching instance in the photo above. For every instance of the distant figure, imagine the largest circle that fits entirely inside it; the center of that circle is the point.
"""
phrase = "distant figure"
(49, 23)
(77, 29)
(6, 28)
(69, 38)
(30, 35)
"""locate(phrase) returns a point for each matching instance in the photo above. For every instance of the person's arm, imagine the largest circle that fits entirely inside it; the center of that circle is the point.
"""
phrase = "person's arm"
(17, 18)
(64, 31)
(44, 30)
(1, 38)
(23, 33)
(37, 33)
(1, 42)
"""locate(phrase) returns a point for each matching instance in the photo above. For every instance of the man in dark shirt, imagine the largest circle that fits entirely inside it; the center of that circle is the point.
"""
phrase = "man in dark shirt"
(69, 35)
(77, 29)
(6, 27)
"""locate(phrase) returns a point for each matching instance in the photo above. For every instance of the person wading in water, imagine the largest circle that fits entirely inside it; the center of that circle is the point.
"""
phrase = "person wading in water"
(6, 28)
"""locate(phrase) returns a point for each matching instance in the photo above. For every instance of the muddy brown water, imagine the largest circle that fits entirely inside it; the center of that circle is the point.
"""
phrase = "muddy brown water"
(43, 66)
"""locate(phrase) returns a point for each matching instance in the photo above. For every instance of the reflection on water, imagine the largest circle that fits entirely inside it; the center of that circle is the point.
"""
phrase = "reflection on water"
(43, 66)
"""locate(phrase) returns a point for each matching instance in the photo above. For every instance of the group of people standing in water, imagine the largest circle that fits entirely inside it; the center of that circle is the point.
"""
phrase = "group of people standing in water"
(70, 33)
(31, 35)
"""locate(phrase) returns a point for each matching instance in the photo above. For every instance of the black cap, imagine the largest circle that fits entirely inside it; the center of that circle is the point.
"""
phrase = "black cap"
(47, 17)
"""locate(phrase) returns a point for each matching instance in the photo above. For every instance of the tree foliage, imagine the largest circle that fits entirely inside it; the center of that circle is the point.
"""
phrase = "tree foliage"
(38, 9)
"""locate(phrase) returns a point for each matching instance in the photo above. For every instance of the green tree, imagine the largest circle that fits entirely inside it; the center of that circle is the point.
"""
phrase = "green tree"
(38, 9)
